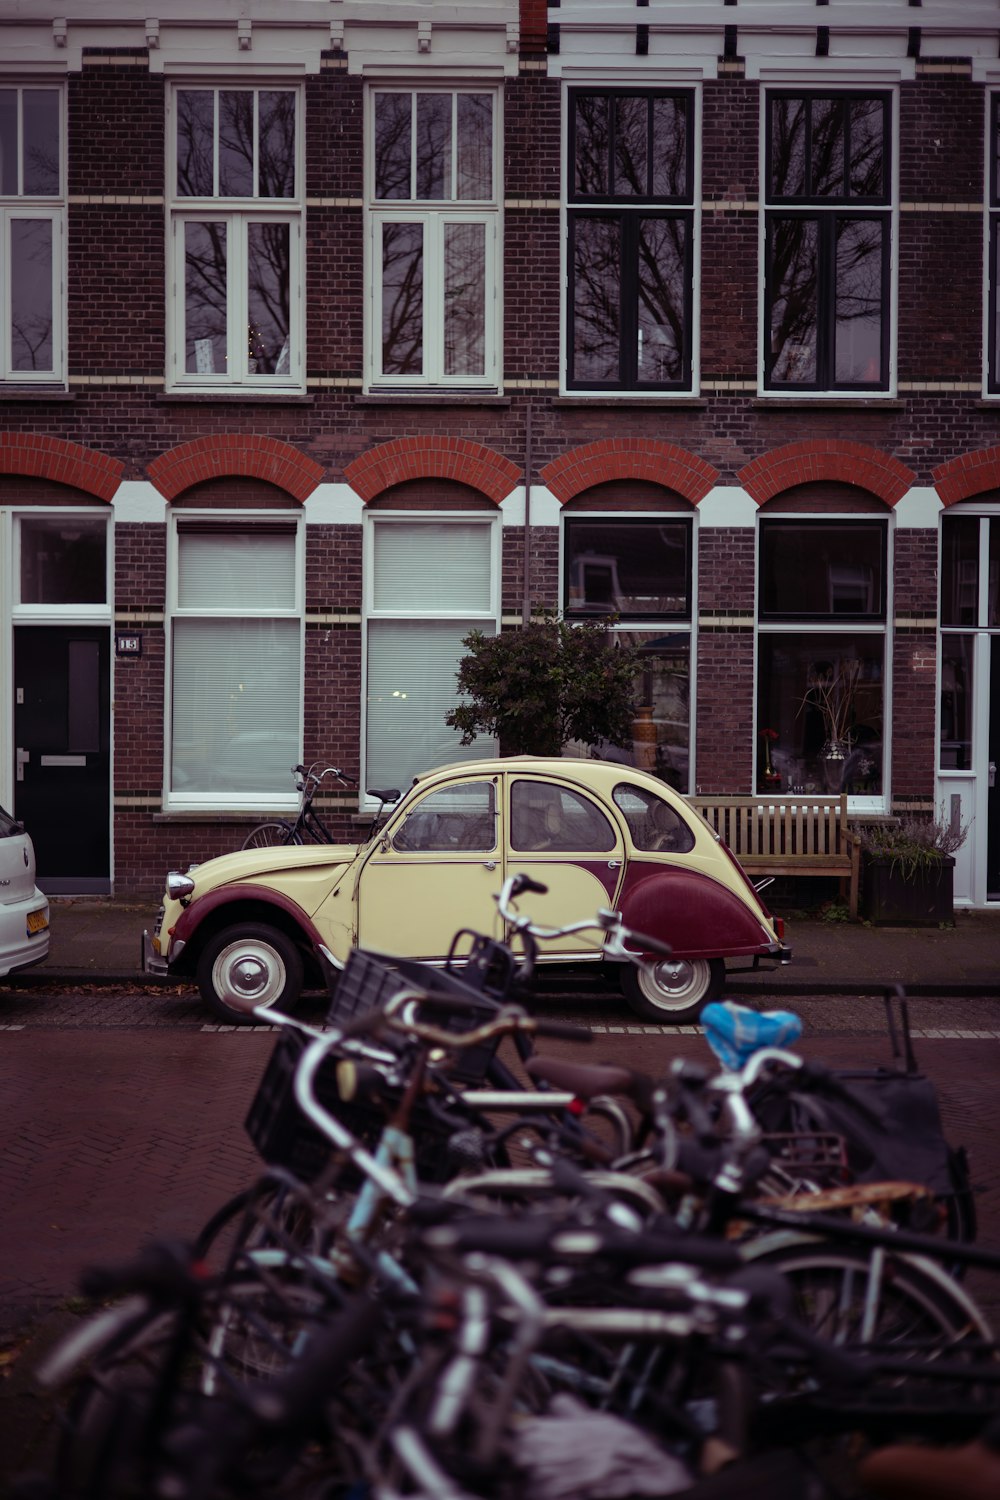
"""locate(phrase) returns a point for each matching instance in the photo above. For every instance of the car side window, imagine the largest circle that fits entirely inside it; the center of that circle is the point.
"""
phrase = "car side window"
(653, 823)
(460, 817)
(543, 816)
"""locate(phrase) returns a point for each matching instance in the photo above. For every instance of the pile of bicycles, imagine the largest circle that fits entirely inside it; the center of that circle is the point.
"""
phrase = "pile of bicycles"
(471, 1269)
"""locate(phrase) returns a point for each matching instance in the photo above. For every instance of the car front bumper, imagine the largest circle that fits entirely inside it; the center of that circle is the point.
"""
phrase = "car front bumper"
(151, 961)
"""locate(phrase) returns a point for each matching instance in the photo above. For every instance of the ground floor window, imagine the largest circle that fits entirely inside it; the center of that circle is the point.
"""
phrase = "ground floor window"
(637, 572)
(429, 582)
(235, 703)
(820, 712)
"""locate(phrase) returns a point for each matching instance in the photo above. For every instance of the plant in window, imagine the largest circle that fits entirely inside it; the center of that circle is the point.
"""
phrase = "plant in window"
(547, 683)
(831, 689)
(770, 777)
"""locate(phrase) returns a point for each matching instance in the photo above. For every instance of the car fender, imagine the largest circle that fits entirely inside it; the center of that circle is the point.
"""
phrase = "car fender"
(229, 903)
(696, 915)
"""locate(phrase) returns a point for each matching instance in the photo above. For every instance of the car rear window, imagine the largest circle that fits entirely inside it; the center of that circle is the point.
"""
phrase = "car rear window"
(653, 823)
(7, 825)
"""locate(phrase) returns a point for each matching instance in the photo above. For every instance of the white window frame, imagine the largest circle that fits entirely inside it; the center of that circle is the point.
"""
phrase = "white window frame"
(618, 83)
(34, 206)
(434, 215)
(653, 624)
(810, 83)
(238, 214)
(69, 613)
(883, 629)
(281, 798)
(487, 620)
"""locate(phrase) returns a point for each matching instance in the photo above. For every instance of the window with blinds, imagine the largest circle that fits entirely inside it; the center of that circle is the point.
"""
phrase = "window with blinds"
(430, 582)
(236, 664)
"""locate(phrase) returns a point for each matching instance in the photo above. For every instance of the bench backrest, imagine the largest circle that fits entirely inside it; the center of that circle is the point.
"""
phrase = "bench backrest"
(804, 825)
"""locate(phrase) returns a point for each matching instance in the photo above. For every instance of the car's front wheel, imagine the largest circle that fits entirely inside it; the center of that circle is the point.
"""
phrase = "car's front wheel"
(247, 965)
(673, 990)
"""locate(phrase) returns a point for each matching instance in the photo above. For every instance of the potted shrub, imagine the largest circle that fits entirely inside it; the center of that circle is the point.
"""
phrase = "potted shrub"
(548, 682)
(907, 870)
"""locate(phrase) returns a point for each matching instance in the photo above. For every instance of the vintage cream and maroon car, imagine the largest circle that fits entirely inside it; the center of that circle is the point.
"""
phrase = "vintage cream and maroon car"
(251, 926)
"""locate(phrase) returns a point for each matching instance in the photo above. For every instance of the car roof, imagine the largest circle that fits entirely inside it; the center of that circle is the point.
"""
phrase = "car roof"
(600, 775)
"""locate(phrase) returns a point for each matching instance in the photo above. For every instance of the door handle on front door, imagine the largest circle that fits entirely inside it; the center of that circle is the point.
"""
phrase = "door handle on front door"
(22, 756)
(993, 773)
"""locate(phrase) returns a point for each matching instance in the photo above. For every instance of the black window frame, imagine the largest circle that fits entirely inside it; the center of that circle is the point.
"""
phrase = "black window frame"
(772, 524)
(629, 209)
(634, 618)
(830, 212)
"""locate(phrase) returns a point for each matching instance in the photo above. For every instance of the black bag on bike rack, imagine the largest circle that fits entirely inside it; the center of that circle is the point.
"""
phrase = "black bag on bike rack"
(888, 1117)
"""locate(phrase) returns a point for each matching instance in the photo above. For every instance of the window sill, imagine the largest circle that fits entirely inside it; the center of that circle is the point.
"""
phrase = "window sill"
(828, 403)
(252, 815)
(431, 398)
(35, 393)
(234, 398)
(631, 399)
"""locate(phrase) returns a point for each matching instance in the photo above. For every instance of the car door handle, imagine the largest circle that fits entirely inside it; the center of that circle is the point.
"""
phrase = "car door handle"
(614, 864)
(489, 864)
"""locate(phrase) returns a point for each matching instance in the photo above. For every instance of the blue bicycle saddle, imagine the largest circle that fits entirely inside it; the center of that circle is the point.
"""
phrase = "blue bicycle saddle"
(735, 1032)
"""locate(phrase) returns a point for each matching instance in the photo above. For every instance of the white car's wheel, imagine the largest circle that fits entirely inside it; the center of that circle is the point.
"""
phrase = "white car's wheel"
(673, 990)
(248, 965)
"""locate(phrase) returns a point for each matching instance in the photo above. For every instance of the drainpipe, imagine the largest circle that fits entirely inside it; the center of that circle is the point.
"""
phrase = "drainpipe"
(526, 589)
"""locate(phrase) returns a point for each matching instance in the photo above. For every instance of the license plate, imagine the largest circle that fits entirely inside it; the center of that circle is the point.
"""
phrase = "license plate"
(37, 922)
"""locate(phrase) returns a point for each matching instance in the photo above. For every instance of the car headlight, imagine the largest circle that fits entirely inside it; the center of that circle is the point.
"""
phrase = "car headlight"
(178, 885)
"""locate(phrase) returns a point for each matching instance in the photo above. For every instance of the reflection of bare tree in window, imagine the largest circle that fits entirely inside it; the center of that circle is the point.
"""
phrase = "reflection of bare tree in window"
(788, 148)
(276, 144)
(592, 141)
(393, 113)
(464, 299)
(631, 164)
(661, 298)
(434, 145)
(596, 298)
(236, 114)
(793, 271)
(268, 247)
(41, 141)
(826, 163)
(859, 300)
(670, 146)
(205, 298)
(195, 143)
(474, 161)
(867, 160)
(31, 294)
(402, 299)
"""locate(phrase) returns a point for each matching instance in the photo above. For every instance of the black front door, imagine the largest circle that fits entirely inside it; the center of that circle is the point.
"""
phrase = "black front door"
(62, 740)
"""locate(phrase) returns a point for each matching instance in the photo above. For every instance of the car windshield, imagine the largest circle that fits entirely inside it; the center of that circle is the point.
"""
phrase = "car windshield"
(653, 823)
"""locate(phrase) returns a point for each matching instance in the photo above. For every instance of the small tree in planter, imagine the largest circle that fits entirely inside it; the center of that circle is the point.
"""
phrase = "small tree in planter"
(908, 868)
(544, 684)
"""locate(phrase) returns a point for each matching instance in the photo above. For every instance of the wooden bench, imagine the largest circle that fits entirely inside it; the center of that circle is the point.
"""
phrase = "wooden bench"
(798, 835)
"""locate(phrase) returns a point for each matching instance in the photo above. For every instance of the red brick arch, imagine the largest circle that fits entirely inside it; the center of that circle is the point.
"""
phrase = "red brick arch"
(629, 458)
(432, 458)
(830, 459)
(969, 474)
(235, 455)
(37, 456)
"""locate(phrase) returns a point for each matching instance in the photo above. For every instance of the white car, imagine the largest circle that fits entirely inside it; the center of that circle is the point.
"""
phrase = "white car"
(24, 910)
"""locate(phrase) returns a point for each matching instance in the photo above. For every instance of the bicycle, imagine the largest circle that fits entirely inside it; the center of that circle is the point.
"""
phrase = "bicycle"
(308, 825)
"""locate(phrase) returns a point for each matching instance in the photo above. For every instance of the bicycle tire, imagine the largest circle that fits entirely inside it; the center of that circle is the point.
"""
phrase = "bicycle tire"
(272, 835)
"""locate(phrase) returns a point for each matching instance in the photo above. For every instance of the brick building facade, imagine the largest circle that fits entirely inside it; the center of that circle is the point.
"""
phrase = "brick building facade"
(329, 334)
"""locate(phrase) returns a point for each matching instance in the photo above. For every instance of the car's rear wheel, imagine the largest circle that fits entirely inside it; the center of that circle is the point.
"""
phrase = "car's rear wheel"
(247, 965)
(673, 990)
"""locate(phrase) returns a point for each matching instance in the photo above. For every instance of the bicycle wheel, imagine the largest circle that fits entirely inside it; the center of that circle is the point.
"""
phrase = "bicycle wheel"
(852, 1296)
(271, 835)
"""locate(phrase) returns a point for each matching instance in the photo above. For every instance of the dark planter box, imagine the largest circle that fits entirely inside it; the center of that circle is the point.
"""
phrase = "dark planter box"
(924, 898)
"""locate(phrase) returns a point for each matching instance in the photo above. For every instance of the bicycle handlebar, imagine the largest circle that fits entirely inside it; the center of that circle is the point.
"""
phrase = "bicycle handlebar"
(609, 923)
